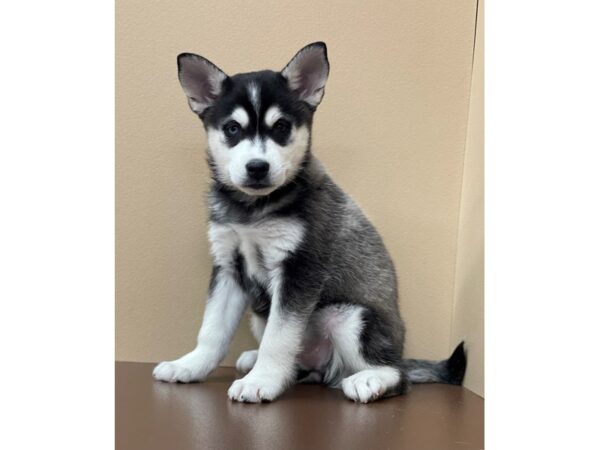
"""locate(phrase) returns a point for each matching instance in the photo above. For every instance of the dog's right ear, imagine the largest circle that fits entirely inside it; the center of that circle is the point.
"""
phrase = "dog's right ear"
(201, 81)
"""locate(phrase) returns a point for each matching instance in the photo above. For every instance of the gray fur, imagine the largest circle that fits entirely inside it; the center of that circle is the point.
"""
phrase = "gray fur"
(342, 259)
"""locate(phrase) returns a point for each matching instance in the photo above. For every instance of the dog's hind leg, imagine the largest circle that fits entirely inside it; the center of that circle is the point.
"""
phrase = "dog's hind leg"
(257, 326)
(364, 369)
(247, 359)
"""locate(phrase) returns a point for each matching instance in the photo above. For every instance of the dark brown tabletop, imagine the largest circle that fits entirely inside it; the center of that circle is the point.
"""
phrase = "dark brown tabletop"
(155, 415)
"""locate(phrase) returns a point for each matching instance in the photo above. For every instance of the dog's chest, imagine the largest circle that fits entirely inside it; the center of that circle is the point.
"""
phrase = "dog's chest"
(262, 245)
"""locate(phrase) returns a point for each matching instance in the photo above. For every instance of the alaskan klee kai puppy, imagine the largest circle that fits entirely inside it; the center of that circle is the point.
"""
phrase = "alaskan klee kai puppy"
(289, 243)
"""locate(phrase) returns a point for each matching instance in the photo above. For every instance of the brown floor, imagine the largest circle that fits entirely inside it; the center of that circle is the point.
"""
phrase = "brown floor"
(155, 415)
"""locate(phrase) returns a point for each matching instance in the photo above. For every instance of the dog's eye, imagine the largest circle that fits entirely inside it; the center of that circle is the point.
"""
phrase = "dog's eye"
(232, 129)
(282, 125)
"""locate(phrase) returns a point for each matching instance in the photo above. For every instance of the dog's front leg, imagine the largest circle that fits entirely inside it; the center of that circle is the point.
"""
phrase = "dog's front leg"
(224, 309)
(281, 343)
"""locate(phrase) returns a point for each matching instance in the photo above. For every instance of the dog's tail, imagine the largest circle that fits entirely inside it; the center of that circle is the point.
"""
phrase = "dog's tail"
(449, 371)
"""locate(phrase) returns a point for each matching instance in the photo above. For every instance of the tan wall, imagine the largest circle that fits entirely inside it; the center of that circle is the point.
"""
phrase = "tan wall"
(391, 130)
(468, 290)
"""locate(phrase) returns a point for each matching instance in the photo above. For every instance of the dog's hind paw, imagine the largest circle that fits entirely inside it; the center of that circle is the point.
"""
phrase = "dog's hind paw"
(363, 387)
(246, 361)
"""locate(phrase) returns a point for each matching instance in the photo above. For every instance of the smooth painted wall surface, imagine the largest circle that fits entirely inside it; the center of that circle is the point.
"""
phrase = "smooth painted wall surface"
(468, 314)
(391, 130)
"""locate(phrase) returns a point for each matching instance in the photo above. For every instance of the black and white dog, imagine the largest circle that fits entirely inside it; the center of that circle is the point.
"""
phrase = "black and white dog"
(289, 243)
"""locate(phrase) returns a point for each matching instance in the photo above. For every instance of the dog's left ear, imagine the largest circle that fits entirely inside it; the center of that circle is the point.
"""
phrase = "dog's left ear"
(307, 73)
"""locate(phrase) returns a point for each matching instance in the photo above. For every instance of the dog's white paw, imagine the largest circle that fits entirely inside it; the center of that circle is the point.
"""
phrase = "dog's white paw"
(246, 361)
(363, 387)
(176, 372)
(255, 389)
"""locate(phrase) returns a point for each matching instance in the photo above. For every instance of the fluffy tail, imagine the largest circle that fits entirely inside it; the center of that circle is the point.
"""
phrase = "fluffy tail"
(449, 371)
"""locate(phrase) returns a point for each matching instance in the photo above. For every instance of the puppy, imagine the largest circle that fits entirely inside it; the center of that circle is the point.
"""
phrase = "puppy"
(291, 245)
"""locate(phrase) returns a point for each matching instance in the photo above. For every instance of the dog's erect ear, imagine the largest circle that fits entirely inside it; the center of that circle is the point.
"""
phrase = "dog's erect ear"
(307, 73)
(201, 81)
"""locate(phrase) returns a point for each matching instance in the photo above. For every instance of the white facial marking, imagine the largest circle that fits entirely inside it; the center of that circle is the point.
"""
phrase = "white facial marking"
(254, 92)
(241, 116)
(284, 161)
(272, 115)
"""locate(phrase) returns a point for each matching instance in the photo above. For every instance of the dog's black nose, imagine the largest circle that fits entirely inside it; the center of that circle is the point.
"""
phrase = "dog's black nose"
(257, 169)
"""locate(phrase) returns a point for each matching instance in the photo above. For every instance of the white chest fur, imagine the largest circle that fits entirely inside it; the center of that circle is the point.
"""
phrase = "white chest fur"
(263, 244)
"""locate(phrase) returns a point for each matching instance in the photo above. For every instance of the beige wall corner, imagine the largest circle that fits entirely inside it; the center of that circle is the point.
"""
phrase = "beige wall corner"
(468, 314)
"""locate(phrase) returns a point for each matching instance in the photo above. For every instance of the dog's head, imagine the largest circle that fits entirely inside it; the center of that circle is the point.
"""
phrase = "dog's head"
(259, 123)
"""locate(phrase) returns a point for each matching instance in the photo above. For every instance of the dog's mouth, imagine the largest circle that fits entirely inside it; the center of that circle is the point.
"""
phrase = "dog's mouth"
(258, 188)
(258, 185)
